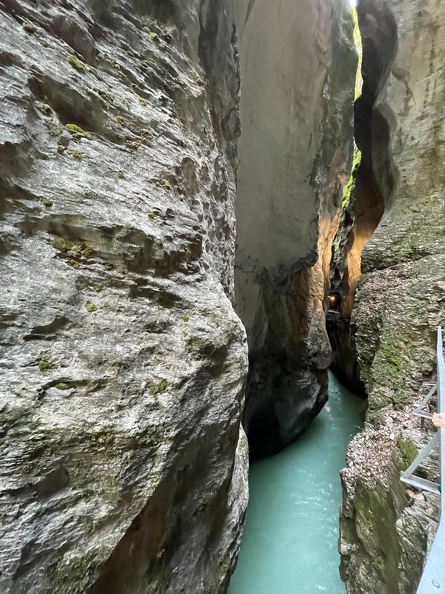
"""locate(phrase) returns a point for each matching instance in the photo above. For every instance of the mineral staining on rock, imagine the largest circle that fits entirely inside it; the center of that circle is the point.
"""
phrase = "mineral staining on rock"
(123, 463)
(399, 300)
(297, 68)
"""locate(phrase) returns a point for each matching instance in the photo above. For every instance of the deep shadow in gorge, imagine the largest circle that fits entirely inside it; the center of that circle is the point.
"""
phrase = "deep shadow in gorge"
(298, 64)
(375, 180)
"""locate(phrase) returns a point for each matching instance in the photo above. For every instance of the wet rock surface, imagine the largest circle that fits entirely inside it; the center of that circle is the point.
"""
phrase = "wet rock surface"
(399, 300)
(297, 64)
(123, 363)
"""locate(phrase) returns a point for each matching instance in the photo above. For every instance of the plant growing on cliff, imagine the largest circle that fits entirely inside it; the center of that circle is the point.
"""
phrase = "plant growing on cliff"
(77, 64)
(45, 365)
(77, 132)
(73, 251)
(90, 306)
(46, 202)
(351, 181)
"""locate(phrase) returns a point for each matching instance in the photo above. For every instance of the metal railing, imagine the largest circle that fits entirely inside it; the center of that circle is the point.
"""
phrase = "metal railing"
(433, 576)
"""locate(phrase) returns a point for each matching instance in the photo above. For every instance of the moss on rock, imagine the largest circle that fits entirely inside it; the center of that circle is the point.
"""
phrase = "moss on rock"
(74, 252)
(77, 64)
(77, 132)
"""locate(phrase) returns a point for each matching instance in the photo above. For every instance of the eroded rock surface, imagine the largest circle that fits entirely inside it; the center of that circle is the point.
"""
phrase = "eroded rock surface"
(399, 302)
(297, 70)
(123, 363)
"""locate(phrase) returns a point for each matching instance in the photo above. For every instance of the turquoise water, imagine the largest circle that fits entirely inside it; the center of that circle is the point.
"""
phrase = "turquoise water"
(290, 539)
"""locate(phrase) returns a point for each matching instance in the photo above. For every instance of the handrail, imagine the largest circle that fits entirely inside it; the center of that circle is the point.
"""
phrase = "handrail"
(433, 576)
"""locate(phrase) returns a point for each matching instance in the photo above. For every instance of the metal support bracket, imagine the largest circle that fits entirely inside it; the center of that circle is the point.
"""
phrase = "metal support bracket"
(410, 478)
(420, 409)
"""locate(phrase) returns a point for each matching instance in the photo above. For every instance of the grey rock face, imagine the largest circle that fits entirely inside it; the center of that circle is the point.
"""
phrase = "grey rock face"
(123, 363)
(297, 71)
(399, 301)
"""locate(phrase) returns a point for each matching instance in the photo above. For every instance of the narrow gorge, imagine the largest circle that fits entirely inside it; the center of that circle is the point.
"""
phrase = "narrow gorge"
(198, 219)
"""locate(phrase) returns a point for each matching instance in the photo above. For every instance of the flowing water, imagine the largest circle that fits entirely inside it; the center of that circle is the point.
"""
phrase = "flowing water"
(291, 535)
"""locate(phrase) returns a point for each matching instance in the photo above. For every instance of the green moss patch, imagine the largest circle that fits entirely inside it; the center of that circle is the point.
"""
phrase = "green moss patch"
(46, 202)
(77, 64)
(349, 188)
(77, 132)
(376, 528)
(74, 252)
(90, 306)
(407, 451)
(165, 184)
(74, 576)
(45, 365)
(157, 389)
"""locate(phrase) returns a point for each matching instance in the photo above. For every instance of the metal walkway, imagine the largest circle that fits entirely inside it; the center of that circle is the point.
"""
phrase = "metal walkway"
(433, 576)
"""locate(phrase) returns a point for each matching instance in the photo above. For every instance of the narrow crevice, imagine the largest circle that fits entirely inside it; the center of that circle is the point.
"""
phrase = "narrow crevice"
(372, 186)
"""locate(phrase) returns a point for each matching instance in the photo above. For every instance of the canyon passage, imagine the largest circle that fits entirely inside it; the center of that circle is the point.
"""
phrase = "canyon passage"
(177, 212)
(290, 537)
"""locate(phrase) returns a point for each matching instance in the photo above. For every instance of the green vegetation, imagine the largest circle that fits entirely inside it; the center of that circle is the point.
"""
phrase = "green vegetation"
(77, 64)
(165, 185)
(63, 386)
(375, 523)
(133, 144)
(73, 251)
(46, 108)
(407, 450)
(158, 389)
(77, 132)
(90, 306)
(45, 365)
(72, 577)
(106, 439)
(46, 202)
(348, 189)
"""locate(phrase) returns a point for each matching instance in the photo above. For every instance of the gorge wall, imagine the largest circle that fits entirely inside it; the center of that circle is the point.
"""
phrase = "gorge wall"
(297, 70)
(123, 363)
(385, 528)
(124, 467)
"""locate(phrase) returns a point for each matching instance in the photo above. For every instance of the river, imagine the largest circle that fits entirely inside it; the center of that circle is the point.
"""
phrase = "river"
(290, 538)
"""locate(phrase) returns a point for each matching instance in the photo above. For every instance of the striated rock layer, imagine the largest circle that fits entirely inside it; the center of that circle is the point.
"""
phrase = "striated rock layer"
(297, 70)
(123, 466)
(399, 302)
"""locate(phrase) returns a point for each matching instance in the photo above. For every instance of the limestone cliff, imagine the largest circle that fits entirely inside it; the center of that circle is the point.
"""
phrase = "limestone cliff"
(297, 70)
(399, 303)
(123, 363)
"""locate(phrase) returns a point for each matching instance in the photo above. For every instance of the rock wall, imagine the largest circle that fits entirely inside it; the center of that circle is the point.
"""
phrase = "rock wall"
(124, 468)
(297, 64)
(359, 219)
(399, 300)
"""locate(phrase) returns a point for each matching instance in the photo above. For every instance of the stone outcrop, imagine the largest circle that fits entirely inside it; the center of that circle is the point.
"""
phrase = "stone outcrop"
(297, 70)
(399, 301)
(123, 466)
